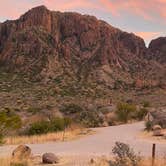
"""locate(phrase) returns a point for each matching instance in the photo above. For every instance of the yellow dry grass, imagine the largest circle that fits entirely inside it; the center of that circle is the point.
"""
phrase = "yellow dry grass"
(100, 161)
(158, 162)
(149, 136)
(8, 161)
(50, 137)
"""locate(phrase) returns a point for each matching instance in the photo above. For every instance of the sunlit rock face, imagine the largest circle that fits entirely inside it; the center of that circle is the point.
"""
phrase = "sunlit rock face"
(45, 43)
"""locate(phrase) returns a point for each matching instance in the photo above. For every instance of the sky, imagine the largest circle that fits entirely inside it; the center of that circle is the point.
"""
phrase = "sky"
(145, 18)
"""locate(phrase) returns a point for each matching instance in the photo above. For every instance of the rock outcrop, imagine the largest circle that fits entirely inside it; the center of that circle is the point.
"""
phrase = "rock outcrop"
(45, 44)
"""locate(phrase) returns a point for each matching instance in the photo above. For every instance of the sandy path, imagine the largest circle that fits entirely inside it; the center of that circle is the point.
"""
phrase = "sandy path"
(100, 143)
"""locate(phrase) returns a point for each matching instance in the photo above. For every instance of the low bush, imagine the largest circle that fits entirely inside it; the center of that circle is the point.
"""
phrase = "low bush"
(148, 125)
(71, 109)
(43, 127)
(141, 113)
(124, 111)
(90, 118)
(124, 155)
(9, 119)
(9, 122)
(146, 104)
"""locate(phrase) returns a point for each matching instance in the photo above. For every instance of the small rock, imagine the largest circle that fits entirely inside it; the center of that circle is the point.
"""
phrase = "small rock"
(49, 158)
(21, 152)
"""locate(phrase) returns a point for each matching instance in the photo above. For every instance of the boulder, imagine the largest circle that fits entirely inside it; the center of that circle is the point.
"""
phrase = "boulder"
(21, 152)
(157, 127)
(49, 158)
(157, 130)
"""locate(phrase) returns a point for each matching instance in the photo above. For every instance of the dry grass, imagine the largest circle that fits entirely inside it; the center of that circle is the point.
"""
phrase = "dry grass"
(158, 162)
(149, 136)
(8, 161)
(74, 161)
(50, 137)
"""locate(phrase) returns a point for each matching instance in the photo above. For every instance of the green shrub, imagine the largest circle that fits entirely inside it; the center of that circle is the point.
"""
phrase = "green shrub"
(124, 111)
(124, 155)
(141, 113)
(146, 104)
(9, 121)
(71, 109)
(1, 139)
(43, 127)
(148, 125)
(90, 118)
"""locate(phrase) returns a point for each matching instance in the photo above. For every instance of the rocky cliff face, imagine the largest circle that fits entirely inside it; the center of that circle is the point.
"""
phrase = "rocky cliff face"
(46, 44)
(157, 50)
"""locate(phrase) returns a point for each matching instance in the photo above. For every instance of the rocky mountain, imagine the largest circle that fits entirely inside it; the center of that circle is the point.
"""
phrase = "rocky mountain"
(54, 46)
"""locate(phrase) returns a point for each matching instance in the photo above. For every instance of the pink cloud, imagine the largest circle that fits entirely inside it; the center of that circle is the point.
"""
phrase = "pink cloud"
(148, 36)
(65, 5)
(149, 9)
(12, 9)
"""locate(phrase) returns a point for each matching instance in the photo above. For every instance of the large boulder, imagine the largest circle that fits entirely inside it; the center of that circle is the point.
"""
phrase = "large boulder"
(21, 152)
(49, 158)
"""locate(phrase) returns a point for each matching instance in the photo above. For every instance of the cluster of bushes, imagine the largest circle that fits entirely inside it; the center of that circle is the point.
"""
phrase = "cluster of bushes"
(43, 127)
(126, 111)
(86, 116)
(9, 122)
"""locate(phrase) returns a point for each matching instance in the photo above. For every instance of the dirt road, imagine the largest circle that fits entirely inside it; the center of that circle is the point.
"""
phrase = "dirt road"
(100, 143)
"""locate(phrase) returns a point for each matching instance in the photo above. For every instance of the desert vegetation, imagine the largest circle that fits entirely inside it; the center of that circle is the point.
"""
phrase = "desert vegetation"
(123, 155)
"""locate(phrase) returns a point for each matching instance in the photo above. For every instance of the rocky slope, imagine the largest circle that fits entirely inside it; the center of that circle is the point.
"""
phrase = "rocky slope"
(69, 47)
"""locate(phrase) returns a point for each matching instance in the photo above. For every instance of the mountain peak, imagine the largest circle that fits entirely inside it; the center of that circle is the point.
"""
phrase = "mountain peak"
(39, 9)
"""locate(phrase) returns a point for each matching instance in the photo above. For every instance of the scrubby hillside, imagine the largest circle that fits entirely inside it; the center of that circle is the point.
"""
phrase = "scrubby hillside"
(48, 59)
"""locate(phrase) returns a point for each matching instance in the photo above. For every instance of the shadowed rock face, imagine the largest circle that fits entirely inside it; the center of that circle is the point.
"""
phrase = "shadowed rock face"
(45, 43)
(157, 49)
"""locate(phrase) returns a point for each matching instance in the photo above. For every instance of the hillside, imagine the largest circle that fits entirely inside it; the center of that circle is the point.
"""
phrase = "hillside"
(50, 58)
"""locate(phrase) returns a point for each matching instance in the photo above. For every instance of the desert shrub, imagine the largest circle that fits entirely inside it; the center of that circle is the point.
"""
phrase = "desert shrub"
(124, 111)
(9, 121)
(43, 127)
(71, 108)
(90, 118)
(1, 139)
(146, 104)
(124, 155)
(148, 125)
(141, 113)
